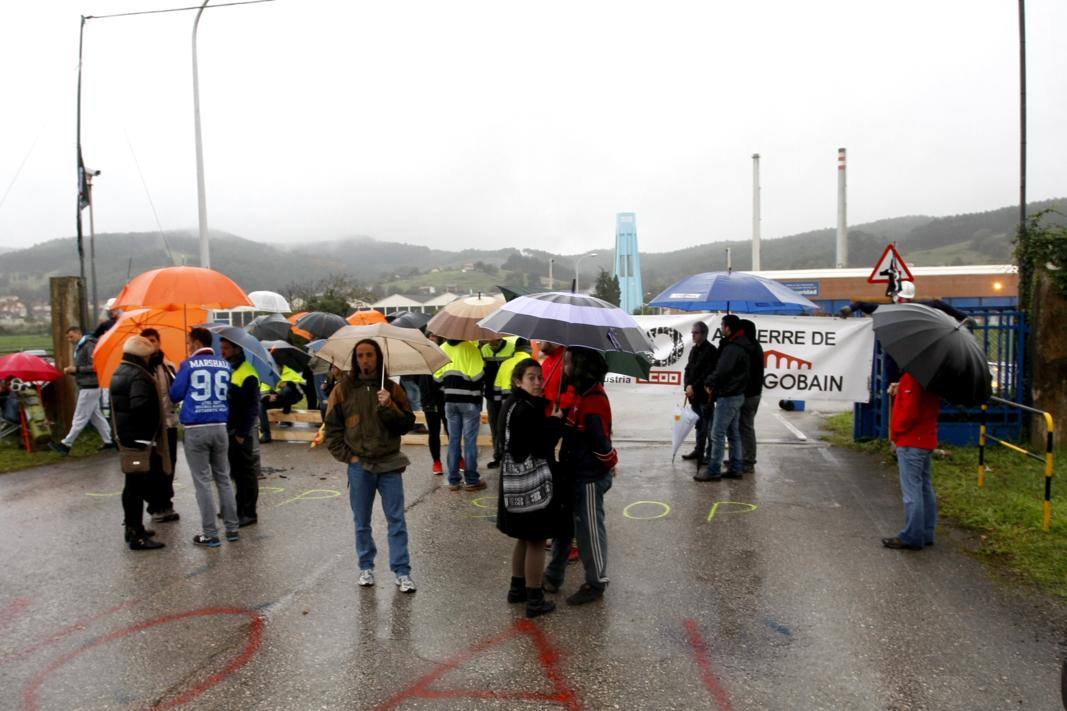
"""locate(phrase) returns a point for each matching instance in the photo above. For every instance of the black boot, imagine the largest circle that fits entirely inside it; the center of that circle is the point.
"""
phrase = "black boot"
(536, 604)
(517, 593)
(130, 533)
(139, 540)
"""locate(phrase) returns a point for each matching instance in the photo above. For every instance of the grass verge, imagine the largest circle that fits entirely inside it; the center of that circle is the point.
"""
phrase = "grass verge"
(13, 457)
(23, 342)
(1006, 513)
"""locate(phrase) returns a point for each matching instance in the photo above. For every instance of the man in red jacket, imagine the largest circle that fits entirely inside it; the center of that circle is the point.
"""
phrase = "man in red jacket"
(913, 429)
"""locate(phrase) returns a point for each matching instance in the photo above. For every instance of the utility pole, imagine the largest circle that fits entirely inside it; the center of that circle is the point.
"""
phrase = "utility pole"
(89, 175)
(80, 201)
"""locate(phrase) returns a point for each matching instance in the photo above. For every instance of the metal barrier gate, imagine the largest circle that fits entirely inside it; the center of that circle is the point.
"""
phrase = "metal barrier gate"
(1001, 331)
(1048, 459)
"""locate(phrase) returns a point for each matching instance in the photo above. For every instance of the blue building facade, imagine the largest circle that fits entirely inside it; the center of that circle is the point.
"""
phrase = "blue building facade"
(628, 262)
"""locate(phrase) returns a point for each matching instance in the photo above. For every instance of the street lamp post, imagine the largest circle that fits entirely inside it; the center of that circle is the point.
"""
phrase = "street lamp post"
(551, 282)
(577, 268)
(205, 254)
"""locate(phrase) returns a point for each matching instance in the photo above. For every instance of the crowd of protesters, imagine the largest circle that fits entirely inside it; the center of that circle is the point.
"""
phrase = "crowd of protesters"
(551, 431)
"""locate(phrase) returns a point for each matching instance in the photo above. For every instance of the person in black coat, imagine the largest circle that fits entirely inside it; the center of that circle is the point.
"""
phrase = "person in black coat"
(701, 363)
(432, 398)
(753, 393)
(527, 432)
(727, 385)
(243, 399)
(139, 424)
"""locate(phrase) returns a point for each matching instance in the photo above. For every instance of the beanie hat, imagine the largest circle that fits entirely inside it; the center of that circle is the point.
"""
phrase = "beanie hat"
(138, 346)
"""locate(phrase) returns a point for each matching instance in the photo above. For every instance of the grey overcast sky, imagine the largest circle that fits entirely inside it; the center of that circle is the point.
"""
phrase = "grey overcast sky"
(487, 123)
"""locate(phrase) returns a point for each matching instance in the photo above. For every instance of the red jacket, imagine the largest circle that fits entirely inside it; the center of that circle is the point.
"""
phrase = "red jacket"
(552, 372)
(915, 412)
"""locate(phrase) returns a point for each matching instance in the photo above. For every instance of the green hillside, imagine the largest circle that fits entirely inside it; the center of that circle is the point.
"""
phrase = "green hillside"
(386, 267)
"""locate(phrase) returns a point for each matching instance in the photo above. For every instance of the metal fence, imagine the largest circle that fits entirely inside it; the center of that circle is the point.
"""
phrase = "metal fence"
(1001, 331)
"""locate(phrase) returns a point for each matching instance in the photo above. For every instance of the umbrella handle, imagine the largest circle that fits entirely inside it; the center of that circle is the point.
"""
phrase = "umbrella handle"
(384, 359)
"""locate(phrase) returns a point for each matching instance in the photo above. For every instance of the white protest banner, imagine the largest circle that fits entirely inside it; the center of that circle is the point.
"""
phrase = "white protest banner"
(805, 357)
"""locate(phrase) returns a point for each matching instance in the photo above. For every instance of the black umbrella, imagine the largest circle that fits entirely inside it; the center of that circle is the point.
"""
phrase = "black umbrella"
(320, 324)
(287, 354)
(411, 319)
(272, 327)
(936, 350)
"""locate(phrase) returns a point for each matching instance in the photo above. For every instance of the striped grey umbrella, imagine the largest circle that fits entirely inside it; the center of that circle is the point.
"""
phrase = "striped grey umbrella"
(570, 320)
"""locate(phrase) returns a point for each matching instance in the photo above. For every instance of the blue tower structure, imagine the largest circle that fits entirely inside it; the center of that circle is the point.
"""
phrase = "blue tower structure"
(628, 262)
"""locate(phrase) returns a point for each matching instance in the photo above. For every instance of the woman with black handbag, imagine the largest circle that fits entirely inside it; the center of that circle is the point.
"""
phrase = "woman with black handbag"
(527, 505)
(140, 432)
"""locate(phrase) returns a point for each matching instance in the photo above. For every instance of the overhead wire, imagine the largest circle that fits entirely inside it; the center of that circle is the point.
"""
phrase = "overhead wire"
(148, 194)
(25, 158)
(174, 9)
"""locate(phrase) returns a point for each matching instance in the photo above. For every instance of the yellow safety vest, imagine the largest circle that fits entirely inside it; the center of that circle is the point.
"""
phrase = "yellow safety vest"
(461, 377)
(502, 387)
(288, 376)
(243, 372)
(505, 352)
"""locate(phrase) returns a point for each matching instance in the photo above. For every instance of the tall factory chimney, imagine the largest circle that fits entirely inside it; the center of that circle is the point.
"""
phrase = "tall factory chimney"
(841, 259)
(755, 213)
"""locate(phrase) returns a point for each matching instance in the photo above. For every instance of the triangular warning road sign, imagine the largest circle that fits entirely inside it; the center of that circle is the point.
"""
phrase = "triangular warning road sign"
(561, 695)
(890, 264)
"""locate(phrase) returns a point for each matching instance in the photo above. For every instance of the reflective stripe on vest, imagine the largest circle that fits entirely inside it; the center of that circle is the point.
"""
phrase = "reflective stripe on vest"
(506, 351)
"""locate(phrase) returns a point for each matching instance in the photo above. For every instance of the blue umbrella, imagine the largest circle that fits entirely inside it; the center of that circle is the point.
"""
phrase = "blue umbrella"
(255, 353)
(733, 291)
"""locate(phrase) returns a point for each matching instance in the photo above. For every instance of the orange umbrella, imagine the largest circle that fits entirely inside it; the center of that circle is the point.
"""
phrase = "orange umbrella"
(299, 331)
(172, 327)
(365, 317)
(174, 288)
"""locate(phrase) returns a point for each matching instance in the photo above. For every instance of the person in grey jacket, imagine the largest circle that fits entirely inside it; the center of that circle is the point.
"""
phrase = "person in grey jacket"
(88, 407)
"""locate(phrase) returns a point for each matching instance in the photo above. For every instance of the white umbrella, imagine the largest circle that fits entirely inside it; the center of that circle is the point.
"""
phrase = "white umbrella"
(684, 420)
(269, 301)
(405, 350)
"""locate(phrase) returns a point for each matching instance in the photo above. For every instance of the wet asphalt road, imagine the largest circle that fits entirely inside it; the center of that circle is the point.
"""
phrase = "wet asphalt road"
(767, 593)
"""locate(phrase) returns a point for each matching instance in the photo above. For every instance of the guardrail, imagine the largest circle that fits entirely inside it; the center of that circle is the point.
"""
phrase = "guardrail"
(1047, 458)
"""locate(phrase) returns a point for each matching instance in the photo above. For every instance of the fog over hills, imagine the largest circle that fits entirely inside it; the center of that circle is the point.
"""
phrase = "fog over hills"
(977, 238)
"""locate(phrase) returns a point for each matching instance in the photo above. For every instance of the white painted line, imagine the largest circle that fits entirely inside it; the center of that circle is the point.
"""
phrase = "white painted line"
(788, 425)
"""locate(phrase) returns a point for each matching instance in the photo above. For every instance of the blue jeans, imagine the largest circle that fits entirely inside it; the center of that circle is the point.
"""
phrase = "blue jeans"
(464, 419)
(411, 389)
(587, 517)
(916, 486)
(726, 424)
(362, 486)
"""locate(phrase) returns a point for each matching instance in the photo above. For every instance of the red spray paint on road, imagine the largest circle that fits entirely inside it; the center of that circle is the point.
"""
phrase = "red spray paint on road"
(547, 655)
(700, 655)
(255, 636)
(13, 609)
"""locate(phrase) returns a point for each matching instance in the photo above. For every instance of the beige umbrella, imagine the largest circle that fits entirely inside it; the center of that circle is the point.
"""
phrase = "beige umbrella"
(405, 350)
(459, 320)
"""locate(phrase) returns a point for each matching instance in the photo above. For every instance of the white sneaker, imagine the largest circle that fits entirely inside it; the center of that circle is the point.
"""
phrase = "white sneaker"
(366, 578)
(405, 583)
